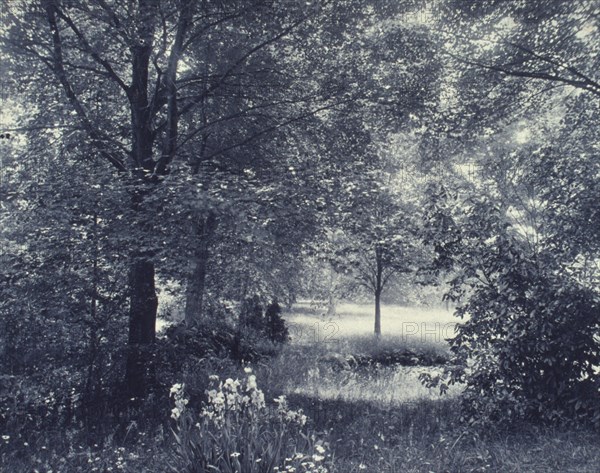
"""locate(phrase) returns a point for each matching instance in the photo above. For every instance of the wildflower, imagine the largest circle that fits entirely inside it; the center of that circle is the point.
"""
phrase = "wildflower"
(320, 449)
(175, 413)
(218, 399)
(235, 454)
(230, 382)
(231, 400)
(258, 399)
(213, 377)
(258, 460)
(318, 458)
(176, 389)
(6, 437)
(252, 382)
(280, 400)
(247, 370)
(362, 466)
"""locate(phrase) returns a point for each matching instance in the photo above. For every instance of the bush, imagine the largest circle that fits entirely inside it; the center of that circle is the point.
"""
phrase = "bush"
(256, 323)
(252, 314)
(275, 325)
(237, 432)
(529, 347)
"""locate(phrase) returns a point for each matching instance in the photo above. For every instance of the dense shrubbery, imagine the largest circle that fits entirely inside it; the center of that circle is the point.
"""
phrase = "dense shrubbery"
(267, 322)
(529, 347)
(65, 373)
(220, 339)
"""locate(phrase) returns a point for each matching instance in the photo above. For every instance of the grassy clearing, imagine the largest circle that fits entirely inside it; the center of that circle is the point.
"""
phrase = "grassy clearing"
(314, 364)
(412, 326)
(381, 419)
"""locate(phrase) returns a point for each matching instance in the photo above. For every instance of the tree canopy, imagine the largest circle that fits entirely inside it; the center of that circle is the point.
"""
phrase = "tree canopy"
(245, 154)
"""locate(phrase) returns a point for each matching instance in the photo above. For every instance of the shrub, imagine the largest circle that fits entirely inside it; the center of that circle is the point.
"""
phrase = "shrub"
(252, 314)
(529, 346)
(237, 432)
(275, 325)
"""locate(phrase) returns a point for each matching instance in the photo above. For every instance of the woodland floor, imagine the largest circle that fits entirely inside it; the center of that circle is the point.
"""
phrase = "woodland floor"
(363, 398)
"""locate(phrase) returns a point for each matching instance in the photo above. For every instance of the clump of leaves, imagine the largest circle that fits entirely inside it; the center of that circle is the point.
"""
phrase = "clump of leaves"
(276, 328)
(528, 347)
(268, 323)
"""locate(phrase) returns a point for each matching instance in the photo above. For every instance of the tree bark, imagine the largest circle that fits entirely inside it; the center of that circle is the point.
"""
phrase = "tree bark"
(143, 299)
(377, 290)
(378, 314)
(204, 231)
(142, 325)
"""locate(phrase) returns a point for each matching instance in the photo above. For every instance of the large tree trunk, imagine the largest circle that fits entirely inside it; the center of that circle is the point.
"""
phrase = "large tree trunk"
(142, 325)
(204, 230)
(143, 299)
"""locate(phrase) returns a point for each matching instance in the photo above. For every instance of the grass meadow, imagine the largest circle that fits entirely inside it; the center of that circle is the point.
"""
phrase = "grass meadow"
(379, 418)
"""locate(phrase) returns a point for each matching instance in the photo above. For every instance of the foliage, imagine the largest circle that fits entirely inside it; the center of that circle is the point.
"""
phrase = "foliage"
(276, 328)
(249, 151)
(64, 291)
(267, 322)
(528, 346)
(236, 431)
(252, 314)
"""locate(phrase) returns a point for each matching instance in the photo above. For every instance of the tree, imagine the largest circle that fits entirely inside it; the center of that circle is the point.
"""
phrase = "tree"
(526, 347)
(379, 238)
(546, 44)
(64, 283)
(143, 59)
(522, 279)
(516, 73)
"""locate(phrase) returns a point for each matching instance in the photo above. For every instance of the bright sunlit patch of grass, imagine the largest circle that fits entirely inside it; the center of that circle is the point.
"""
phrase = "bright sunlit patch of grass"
(387, 387)
(410, 324)
(328, 355)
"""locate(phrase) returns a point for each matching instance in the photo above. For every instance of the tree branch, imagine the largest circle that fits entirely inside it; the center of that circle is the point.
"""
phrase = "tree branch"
(273, 128)
(169, 146)
(239, 62)
(584, 82)
(567, 67)
(59, 71)
(88, 48)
